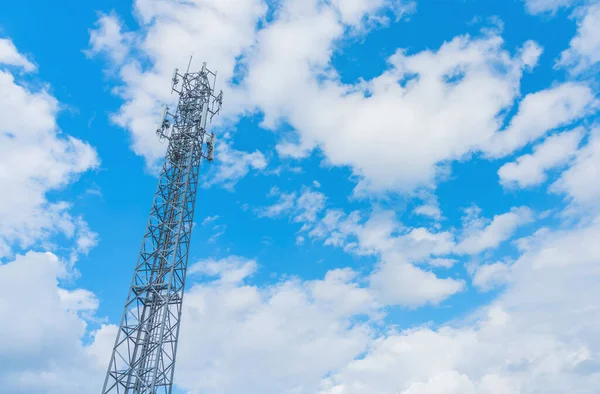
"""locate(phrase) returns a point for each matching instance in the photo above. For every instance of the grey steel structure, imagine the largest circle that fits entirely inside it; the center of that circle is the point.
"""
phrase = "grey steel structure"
(143, 358)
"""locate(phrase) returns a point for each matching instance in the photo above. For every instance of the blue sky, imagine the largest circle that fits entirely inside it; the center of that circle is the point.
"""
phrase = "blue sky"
(404, 196)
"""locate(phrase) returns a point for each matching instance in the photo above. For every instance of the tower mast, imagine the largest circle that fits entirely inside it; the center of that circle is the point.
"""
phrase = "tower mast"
(143, 357)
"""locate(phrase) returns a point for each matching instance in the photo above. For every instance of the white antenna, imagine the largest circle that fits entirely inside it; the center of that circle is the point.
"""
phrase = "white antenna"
(174, 80)
(164, 112)
(211, 147)
(162, 124)
(162, 117)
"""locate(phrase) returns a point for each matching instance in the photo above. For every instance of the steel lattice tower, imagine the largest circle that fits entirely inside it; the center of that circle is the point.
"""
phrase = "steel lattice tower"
(143, 358)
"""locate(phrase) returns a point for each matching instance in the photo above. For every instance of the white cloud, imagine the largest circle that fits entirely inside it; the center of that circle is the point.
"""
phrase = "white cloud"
(530, 170)
(280, 338)
(308, 205)
(301, 208)
(442, 262)
(109, 39)
(79, 300)
(35, 158)
(541, 112)
(381, 128)
(231, 165)
(430, 205)
(477, 238)
(380, 234)
(286, 337)
(400, 119)
(452, 382)
(86, 238)
(285, 203)
(489, 276)
(584, 49)
(217, 231)
(210, 219)
(340, 291)
(272, 339)
(430, 210)
(44, 324)
(295, 336)
(403, 108)
(399, 283)
(563, 248)
(9, 55)
(395, 279)
(354, 12)
(101, 347)
(538, 337)
(577, 182)
(542, 6)
(231, 270)
(214, 31)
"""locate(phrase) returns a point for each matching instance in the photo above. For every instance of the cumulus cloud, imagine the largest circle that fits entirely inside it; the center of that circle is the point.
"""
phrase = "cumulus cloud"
(230, 270)
(109, 39)
(307, 336)
(354, 13)
(9, 55)
(399, 283)
(231, 165)
(285, 203)
(381, 128)
(576, 182)
(478, 237)
(41, 340)
(584, 49)
(297, 336)
(524, 342)
(44, 324)
(395, 279)
(272, 338)
(530, 170)
(563, 248)
(280, 338)
(302, 207)
(217, 32)
(430, 210)
(546, 6)
(404, 253)
(540, 112)
(34, 160)
(442, 262)
(492, 275)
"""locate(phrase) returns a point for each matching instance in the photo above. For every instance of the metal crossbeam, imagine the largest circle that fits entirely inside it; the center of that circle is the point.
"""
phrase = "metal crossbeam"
(143, 358)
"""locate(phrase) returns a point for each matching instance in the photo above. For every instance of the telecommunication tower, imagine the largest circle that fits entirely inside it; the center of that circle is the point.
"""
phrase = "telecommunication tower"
(143, 358)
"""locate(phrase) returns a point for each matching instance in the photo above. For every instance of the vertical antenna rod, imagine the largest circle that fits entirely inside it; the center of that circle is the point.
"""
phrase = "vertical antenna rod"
(143, 357)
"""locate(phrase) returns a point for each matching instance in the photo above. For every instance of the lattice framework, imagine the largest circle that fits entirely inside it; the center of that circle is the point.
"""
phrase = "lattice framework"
(143, 357)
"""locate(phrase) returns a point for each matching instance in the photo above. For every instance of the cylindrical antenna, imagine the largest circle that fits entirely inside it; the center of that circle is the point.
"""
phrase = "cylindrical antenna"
(211, 147)
(162, 119)
(174, 80)
(164, 113)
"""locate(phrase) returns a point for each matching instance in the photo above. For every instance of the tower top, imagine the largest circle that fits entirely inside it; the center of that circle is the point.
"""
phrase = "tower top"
(197, 105)
(202, 83)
